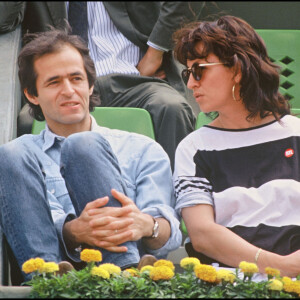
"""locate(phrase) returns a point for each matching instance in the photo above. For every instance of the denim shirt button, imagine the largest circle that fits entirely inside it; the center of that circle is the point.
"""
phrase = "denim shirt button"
(52, 191)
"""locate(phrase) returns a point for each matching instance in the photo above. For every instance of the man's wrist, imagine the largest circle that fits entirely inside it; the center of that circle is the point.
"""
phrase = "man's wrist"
(155, 229)
(68, 236)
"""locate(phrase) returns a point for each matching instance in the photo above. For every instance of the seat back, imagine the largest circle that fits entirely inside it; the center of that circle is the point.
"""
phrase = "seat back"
(124, 118)
(284, 50)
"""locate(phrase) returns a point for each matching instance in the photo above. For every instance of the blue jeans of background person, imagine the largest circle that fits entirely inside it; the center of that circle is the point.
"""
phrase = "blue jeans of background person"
(90, 170)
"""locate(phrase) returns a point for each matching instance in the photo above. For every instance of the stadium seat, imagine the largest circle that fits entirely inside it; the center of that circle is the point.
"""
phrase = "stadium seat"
(124, 118)
(284, 50)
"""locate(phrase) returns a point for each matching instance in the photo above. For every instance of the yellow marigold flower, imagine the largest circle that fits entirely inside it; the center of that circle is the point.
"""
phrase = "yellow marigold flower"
(164, 262)
(275, 285)
(189, 262)
(132, 272)
(248, 268)
(286, 279)
(272, 272)
(161, 272)
(146, 269)
(206, 273)
(225, 275)
(90, 255)
(49, 267)
(112, 269)
(291, 286)
(100, 272)
(32, 265)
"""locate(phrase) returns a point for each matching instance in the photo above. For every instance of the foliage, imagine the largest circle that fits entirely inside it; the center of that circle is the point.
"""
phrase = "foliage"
(160, 281)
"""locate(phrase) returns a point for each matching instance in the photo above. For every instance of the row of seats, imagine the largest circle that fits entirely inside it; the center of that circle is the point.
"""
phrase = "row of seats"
(283, 48)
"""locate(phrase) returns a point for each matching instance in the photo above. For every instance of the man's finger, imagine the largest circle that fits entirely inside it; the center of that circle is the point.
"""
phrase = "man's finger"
(110, 223)
(123, 199)
(110, 211)
(100, 202)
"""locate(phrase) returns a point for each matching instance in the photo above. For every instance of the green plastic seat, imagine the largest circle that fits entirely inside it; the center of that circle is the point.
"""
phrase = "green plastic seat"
(130, 119)
(284, 50)
(202, 119)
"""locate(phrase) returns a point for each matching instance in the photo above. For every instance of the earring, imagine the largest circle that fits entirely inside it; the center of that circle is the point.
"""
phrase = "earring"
(233, 96)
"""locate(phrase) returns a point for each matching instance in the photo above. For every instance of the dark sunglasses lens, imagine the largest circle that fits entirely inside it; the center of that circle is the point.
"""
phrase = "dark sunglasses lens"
(197, 71)
(185, 74)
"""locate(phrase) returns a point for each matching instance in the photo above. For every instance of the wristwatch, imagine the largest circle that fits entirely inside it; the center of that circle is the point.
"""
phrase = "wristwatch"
(155, 229)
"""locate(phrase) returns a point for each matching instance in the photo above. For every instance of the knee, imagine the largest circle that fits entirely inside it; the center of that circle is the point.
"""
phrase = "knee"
(14, 154)
(84, 143)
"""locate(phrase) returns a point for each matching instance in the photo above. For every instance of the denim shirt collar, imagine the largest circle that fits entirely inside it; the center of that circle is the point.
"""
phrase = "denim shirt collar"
(50, 137)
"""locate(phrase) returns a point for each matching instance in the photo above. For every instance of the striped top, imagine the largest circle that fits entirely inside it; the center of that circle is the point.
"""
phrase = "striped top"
(250, 176)
(110, 50)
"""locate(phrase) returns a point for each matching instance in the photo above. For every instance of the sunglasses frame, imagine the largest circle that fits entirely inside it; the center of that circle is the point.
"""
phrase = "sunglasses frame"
(190, 70)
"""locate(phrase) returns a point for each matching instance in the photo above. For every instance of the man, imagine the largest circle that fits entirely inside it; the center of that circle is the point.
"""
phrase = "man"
(131, 45)
(76, 184)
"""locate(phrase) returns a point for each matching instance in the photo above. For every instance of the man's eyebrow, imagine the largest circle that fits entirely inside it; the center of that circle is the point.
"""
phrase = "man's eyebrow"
(51, 78)
(56, 77)
(77, 73)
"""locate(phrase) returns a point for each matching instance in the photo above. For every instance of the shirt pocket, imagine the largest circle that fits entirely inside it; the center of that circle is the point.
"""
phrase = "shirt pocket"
(58, 195)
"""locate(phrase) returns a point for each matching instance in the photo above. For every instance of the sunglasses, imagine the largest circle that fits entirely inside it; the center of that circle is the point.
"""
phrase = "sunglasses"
(196, 70)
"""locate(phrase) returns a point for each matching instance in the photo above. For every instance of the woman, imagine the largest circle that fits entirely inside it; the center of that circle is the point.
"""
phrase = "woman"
(237, 180)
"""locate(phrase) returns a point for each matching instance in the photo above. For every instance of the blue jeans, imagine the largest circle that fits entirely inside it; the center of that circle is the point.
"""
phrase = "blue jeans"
(90, 170)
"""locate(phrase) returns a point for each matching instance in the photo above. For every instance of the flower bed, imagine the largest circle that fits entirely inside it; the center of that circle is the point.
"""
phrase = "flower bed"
(158, 281)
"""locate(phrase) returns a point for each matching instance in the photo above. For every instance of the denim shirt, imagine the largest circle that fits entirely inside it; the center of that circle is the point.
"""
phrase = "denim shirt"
(145, 169)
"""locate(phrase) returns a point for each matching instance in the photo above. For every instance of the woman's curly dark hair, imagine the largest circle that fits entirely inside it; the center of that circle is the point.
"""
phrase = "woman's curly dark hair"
(237, 44)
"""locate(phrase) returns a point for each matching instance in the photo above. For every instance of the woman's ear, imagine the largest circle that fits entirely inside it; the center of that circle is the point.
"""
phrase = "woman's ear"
(238, 74)
(238, 77)
(31, 98)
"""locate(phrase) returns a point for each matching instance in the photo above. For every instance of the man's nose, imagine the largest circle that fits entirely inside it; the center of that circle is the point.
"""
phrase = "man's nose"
(68, 89)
